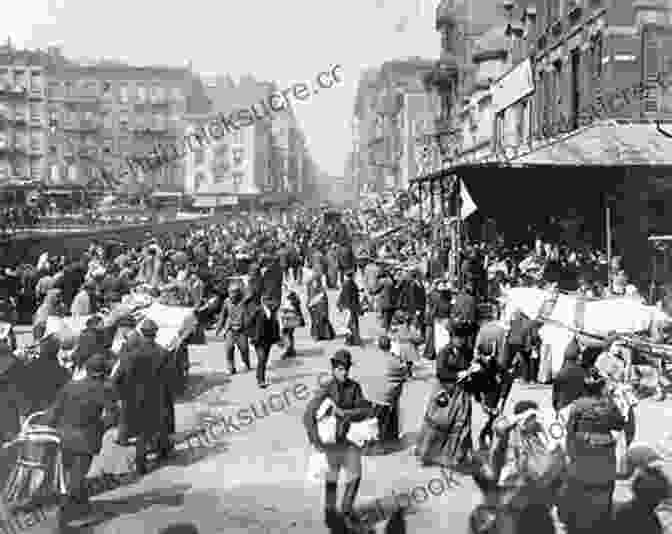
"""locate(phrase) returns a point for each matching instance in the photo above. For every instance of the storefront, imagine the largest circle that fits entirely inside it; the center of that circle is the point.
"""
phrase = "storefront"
(611, 180)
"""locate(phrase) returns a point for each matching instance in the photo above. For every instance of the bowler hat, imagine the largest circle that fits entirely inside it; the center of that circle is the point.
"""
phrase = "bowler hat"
(96, 365)
(342, 357)
(149, 328)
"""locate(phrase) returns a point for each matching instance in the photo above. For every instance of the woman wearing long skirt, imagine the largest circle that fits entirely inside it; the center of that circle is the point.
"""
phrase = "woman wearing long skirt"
(445, 438)
(318, 306)
(591, 447)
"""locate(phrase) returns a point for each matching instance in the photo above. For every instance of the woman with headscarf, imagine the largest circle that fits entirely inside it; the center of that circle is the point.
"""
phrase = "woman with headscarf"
(52, 306)
(318, 307)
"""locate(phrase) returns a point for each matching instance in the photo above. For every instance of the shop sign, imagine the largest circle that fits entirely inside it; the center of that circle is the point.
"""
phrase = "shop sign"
(513, 87)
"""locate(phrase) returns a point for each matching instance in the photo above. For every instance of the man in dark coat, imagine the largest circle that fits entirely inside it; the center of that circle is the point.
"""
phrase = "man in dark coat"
(78, 414)
(346, 260)
(265, 332)
(387, 300)
(142, 394)
(350, 406)
(272, 278)
(73, 278)
(413, 299)
(570, 382)
(348, 299)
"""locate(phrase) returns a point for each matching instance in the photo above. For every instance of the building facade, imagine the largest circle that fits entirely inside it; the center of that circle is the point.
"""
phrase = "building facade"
(260, 165)
(23, 114)
(390, 106)
(558, 65)
(74, 122)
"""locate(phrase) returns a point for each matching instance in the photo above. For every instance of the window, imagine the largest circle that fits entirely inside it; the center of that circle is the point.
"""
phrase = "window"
(90, 88)
(108, 120)
(157, 94)
(35, 113)
(199, 156)
(36, 169)
(108, 145)
(36, 82)
(123, 93)
(20, 79)
(35, 142)
(576, 88)
(107, 89)
(597, 51)
(123, 121)
(142, 94)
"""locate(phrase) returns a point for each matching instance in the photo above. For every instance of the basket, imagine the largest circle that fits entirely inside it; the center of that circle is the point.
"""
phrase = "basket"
(38, 476)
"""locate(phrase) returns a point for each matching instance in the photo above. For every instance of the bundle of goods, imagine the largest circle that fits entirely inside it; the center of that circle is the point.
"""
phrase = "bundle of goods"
(176, 323)
(592, 321)
(175, 294)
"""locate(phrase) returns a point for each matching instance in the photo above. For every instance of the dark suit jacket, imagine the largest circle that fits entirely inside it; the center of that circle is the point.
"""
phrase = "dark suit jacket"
(348, 299)
(265, 331)
(348, 397)
(568, 385)
(140, 387)
(412, 297)
(78, 413)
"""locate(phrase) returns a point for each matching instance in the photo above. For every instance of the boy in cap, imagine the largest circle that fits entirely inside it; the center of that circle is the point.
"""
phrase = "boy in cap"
(232, 320)
(349, 405)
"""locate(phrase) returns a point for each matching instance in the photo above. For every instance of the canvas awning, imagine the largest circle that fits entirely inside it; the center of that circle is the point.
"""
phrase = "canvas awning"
(607, 143)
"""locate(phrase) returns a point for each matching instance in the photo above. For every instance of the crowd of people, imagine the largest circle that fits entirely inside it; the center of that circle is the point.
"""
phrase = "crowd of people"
(251, 280)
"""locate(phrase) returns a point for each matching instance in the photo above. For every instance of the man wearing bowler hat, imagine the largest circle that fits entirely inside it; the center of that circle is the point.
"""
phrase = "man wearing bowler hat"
(265, 332)
(349, 406)
(145, 379)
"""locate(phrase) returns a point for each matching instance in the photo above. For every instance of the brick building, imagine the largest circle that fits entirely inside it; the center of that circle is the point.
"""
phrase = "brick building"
(391, 107)
(69, 122)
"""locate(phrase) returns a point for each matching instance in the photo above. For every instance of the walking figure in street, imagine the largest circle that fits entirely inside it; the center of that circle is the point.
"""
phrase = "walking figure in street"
(348, 406)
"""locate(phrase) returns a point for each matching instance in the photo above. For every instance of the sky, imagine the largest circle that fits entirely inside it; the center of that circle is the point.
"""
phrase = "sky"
(287, 42)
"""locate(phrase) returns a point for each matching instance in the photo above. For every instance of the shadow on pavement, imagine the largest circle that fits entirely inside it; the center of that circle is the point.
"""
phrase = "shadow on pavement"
(199, 384)
(311, 352)
(103, 510)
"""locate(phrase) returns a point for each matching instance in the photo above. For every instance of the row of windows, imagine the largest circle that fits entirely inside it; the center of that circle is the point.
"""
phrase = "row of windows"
(27, 79)
(138, 93)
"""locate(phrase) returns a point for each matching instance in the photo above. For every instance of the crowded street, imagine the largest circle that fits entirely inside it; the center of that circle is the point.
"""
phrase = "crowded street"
(254, 480)
(305, 267)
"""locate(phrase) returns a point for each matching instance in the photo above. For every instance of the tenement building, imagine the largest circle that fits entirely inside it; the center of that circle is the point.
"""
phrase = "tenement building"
(566, 118)
(66, 122)
(391, 110)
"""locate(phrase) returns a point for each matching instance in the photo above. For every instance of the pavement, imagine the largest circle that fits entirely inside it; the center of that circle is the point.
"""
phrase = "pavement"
(253, 479)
